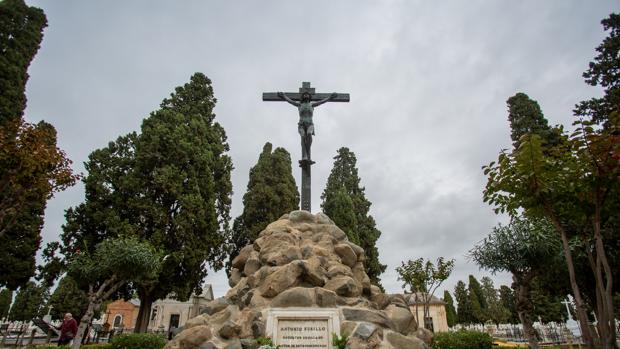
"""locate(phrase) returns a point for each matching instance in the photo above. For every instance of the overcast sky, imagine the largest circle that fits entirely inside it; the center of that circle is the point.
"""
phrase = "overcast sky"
(428, 82)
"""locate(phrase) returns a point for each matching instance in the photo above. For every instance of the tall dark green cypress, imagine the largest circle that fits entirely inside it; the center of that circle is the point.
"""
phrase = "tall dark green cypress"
(342, 211)
(342, 180)
(6, 298)
(68, 298)
(507, 299)
(271, 192)
(464, 311)
(170, 185)
(548, 305)
(604, 72)
(21, 32)
(526, 117)
(32, 167)
(478, 301)
(29, 302)
(451, 316)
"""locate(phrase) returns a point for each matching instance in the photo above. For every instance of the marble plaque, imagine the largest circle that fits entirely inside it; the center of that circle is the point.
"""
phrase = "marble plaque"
(303, 328)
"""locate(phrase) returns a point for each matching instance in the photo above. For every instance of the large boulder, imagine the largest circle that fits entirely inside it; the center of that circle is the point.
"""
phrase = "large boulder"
(401, 317)
(397, 340)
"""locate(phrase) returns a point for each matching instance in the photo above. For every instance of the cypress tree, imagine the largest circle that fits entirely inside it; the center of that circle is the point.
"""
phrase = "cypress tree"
(21, 32)
(29, 302)
(68, 298)
(451, 316)
(478, 301)
(170, 186)
(464, 309)
(342, 212)
(496, 312)
(271, 192)
(547, 304)
(526, 117)
(342, 180)
(507, 299)
(32, 167)
(6, 298)
(184, 171)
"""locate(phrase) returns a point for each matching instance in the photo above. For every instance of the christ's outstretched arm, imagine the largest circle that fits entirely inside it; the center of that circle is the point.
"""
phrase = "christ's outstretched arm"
(286, 98)
(332, 96)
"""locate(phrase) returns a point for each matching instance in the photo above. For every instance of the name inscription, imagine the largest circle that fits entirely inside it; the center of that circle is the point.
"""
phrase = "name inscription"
(303, 334)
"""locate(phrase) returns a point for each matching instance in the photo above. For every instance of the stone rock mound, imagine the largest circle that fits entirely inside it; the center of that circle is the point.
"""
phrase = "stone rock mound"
(302, 260)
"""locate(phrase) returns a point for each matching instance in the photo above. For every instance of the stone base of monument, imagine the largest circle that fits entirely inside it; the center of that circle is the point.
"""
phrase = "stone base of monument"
(300, 283)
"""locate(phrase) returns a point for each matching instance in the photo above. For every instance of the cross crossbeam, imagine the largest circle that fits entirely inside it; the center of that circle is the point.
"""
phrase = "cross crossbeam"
(296, 96)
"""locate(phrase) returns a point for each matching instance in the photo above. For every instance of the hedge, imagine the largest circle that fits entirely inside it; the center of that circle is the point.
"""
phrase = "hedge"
(462, 340)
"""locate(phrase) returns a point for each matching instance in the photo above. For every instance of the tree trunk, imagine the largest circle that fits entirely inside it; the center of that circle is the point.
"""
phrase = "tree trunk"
(525, 308)
(142, 322)
(606, 317)
(580, 307)
(427, 312)
(93, 306)
(95, 299)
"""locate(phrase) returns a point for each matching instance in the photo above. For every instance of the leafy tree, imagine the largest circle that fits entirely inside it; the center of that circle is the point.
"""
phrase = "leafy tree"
(597, 145)
(344, 177)
(451, 316)
(523, 248)
(113, 263)
(29, 302)
(271, 192)
(32, 167)
(464, 309)
(477, 300)
(574, 183)
(423, 279)
(68, 297)
(507, 299)
(6, 298)
(496, 311)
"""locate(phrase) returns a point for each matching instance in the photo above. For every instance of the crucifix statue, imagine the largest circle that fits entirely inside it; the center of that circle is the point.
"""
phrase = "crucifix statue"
(305, 100)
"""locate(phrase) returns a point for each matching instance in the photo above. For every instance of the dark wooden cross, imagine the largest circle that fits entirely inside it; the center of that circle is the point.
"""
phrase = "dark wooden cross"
(305, 163)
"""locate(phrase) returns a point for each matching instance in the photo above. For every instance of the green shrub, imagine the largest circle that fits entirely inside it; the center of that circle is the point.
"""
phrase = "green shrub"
(137, 341)
(339, 342)
(266, 342)
(462, 340)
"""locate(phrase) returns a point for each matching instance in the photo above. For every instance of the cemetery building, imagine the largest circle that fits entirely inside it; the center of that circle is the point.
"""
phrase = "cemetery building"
(121, 314)
(170, 313)
(437, 320)
(165, 313)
